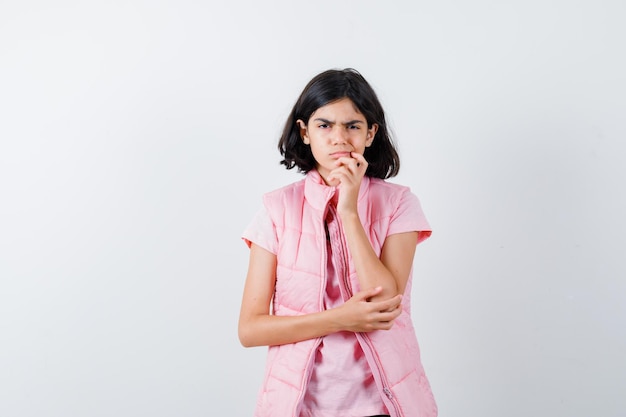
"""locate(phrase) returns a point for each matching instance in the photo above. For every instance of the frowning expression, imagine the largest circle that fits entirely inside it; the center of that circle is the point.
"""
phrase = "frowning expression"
(334, 131)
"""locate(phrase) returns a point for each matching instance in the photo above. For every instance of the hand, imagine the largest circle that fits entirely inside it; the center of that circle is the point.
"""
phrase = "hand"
(348, 173)
(359, 314)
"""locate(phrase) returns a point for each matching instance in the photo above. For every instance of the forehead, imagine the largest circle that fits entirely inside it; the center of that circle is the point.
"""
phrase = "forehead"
(340, 109)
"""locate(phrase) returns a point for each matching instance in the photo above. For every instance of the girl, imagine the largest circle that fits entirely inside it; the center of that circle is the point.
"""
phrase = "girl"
(329, 278)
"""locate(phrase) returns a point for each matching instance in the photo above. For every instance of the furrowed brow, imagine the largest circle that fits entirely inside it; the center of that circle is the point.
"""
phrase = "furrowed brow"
(353, 122)
(330, 122)
(321, 119)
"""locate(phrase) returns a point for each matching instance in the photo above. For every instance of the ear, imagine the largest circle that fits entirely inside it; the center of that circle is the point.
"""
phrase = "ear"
(371, 133)
(304, 133)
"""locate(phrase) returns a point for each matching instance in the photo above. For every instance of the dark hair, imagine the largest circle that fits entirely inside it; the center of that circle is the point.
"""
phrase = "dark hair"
(327, 87)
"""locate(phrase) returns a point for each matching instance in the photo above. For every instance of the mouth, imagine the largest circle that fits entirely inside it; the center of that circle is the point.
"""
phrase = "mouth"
(340, 154)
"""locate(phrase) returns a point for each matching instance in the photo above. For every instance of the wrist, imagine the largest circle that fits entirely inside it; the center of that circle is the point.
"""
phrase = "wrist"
(348, 214)
(334, 319)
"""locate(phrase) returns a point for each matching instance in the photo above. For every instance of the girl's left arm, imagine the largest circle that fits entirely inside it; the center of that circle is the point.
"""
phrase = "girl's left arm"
(391, 270)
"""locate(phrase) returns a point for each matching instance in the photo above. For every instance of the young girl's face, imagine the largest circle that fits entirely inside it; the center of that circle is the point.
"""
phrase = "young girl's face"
(334, 131)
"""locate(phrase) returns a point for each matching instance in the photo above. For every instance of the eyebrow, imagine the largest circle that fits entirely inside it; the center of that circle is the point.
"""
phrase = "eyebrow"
(351, 122)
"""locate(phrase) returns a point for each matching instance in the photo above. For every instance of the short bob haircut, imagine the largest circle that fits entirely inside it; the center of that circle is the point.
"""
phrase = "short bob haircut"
(327, 87)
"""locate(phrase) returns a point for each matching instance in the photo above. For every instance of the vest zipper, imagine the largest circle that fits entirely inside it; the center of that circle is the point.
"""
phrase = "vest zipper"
(367, 345)
(362, 337)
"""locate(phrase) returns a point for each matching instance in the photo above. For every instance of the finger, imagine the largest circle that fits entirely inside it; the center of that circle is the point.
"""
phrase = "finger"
(346, 175)
(344, 160)
(340, 170)
(369, 293)
(388, 314)
(386, 321)
(352, 163)
(384, 325)
(359, 158)
(340, 173)
(347, 164)
(389, 304)
(396, 307)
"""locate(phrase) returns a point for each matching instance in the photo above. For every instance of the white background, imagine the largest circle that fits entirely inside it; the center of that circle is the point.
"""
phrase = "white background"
(138, 136)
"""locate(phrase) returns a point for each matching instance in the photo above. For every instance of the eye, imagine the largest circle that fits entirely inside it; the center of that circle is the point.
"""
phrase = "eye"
(354, 127)
(322, 125)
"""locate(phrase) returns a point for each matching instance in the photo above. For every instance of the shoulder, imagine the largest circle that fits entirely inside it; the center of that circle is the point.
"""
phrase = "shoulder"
(387, 191)
(285, 191)
(384, 186)
(276, 201)
(401, 206)
(391, 199)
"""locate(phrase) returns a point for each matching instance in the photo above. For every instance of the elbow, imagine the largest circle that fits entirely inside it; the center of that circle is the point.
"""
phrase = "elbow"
(387, 292)
(386, 295)
(392, 290)
(245, 342)
(245, 337)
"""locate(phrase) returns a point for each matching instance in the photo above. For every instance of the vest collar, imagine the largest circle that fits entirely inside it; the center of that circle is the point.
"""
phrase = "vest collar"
(318, 194)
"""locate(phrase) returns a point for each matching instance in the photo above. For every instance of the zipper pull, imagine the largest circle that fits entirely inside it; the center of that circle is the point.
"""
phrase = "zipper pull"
(388, 393)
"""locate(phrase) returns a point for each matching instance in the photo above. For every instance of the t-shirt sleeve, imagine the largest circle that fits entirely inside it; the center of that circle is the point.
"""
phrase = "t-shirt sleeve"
(409, 217)
(261, 231)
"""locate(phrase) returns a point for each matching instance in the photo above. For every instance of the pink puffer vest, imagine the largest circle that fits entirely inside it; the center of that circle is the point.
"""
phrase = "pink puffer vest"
(298, 213)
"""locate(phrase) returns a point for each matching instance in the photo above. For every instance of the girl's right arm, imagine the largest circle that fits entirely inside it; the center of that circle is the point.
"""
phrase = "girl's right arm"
(257, 327)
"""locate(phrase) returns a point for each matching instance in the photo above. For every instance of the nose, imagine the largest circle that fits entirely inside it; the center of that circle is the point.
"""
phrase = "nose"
(340, 136)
